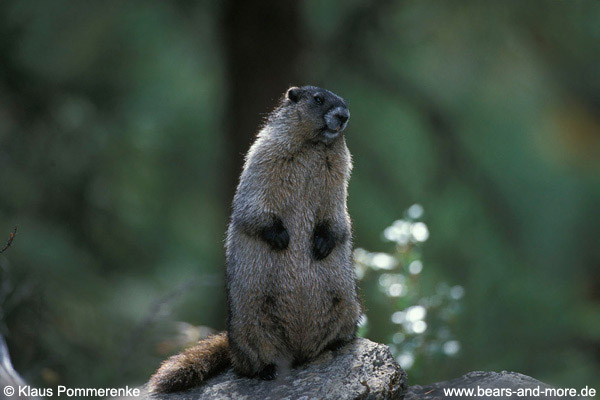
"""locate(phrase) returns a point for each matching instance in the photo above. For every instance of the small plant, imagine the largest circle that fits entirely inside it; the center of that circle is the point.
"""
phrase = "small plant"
(421, 318)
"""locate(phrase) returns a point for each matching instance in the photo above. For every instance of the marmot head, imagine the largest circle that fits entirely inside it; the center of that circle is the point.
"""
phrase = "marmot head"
(317, 114)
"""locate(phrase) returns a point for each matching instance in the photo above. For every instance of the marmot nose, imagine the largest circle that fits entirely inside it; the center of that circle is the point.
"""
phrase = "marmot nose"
(342, 116)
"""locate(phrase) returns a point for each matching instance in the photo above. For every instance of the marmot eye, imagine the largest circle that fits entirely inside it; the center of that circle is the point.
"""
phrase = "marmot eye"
(319, 99)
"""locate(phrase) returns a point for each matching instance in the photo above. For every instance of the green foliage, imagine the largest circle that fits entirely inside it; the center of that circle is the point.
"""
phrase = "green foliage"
(422, 318)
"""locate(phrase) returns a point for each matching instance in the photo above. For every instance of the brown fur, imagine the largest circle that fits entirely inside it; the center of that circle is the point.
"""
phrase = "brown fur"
(290, 281)
(193, 365)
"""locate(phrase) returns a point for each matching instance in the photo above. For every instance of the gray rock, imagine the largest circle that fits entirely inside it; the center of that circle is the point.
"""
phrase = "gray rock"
(485, 385)
(360, 370)
(9, 378)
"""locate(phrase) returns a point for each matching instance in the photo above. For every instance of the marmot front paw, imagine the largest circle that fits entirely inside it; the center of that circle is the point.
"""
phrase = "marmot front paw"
(276, 235)
(323, 242)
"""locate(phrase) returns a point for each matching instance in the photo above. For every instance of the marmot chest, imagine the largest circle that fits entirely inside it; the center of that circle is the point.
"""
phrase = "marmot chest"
(302, 186)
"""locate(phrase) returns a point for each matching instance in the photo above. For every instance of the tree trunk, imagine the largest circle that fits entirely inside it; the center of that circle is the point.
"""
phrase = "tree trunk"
(263, 49)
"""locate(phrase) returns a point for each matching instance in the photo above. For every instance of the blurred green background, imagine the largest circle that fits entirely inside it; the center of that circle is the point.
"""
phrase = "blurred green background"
(122, 131)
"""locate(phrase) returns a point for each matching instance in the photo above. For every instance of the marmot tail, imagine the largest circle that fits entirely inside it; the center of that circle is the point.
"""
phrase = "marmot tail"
(192, 366)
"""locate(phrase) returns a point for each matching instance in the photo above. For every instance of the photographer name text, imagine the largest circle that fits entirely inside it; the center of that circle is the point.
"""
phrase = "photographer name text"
(30, 391)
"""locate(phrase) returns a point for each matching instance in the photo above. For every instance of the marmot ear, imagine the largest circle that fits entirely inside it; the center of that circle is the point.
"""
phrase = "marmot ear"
(293, 94)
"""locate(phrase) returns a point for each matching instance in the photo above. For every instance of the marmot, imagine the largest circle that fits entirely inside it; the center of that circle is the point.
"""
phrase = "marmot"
(291, 287)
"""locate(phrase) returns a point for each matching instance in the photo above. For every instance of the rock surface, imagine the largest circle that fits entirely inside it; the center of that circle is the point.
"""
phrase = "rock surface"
(9, 377)
(484, 385)
(360, 370)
